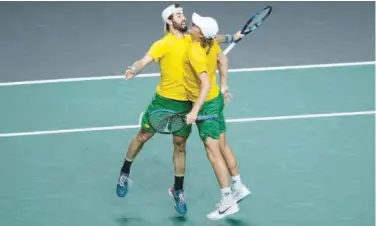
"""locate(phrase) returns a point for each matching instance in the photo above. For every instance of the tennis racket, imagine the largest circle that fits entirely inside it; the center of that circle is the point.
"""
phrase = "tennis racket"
(168, 122)
(254, 22)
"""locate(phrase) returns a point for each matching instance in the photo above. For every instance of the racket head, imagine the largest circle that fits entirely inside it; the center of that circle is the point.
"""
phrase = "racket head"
(255, 21)
(165, 121)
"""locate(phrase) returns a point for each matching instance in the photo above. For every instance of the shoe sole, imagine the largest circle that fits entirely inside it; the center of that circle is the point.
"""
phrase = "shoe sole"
(229, 212)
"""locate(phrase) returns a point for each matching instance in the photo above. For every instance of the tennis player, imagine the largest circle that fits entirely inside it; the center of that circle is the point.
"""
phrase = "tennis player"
(200, 65)
(170, 94)
(240, 191)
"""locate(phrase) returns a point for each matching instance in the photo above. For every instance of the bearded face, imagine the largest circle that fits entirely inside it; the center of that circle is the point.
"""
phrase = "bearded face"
(179, 22)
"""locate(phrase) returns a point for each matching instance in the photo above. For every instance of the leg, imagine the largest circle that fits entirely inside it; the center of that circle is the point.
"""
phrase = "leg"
(218, 163)
(239, 190)
(209, 131)
(134, 148)
(228, 155)
(226, 151)
(228, 204)
(179, 159)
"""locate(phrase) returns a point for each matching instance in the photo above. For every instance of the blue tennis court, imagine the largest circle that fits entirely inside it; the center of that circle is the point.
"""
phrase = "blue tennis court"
(63, 143)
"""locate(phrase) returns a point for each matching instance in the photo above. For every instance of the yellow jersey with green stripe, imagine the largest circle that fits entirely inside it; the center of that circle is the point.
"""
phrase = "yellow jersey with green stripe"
(196, 61)
(169, 52)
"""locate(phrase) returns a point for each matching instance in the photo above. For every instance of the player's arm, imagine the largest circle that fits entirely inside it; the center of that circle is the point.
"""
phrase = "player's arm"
(138, 66)
(204, 91)
(156, 51)
(198, 62)
(228, 38)
(222, 65)
(223, 69)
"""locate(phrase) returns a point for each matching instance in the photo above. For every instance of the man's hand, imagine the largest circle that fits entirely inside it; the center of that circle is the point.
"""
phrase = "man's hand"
(137, 67)
(129, 73)
(191, 117)
(226, 94)
(237, 36)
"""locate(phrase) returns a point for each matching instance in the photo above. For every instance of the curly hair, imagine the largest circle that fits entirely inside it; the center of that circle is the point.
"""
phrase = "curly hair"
(207, 42)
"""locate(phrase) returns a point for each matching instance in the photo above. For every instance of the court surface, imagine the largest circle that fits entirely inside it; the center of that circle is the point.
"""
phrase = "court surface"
(63, 143)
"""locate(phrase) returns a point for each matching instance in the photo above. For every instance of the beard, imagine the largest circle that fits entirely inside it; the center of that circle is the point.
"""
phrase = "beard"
(180, 27)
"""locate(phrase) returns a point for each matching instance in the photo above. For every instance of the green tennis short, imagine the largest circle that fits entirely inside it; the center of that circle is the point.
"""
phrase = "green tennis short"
(159, 102)
(213, 127)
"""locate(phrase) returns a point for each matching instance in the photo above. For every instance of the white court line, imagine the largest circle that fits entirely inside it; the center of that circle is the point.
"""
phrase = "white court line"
(273, 118)
(140, 118)
(157, 74)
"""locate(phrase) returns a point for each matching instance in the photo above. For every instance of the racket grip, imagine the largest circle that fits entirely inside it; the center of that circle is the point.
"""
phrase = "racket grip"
(229, 48)
(206, 117)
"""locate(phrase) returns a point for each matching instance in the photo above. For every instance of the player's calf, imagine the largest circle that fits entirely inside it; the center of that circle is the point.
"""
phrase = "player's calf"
(134, 148)
(228, 204)
(179, 155)
(240, 191)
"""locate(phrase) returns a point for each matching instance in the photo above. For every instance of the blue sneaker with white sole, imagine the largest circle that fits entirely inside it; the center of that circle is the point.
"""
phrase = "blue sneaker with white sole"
(122, 185)
(178, 197)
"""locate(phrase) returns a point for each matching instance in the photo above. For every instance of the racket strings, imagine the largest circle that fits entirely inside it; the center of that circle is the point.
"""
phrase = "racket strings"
(176, 123)
(158, 122)
(258, 19)
(166, 122)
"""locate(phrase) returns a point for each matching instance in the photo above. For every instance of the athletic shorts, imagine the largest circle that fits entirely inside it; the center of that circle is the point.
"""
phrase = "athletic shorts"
(212, 127)
(159, 102)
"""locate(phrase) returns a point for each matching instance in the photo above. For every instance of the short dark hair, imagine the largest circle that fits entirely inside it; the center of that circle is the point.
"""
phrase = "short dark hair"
(177, 5)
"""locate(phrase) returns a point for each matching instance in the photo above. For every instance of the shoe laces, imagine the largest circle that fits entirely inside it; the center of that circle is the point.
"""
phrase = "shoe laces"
(123, 179)
(180, 197)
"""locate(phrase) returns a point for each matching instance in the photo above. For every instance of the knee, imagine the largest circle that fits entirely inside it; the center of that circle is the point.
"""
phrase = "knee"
(179, 144)
(144, 136)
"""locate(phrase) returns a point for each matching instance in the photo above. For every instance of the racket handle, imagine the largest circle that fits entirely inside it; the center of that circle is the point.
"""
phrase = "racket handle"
(206, 117)
(229, 48)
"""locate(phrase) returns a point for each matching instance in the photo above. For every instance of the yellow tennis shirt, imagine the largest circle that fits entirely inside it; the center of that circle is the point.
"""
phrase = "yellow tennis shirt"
(169, 52)
(197, 61)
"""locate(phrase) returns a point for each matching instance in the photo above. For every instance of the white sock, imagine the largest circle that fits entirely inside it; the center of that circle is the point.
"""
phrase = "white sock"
(226, 192)
(236, 181)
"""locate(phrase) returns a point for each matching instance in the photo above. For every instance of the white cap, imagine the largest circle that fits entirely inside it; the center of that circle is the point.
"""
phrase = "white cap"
(167, 12)
(208, 25)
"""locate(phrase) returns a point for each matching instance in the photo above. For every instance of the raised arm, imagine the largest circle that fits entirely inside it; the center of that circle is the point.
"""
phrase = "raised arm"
(228, 38)
(155, 53)
(138, 66)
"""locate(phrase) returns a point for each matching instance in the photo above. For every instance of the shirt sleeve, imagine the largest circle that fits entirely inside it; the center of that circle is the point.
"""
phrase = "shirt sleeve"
(157, 50)
(198, 61)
